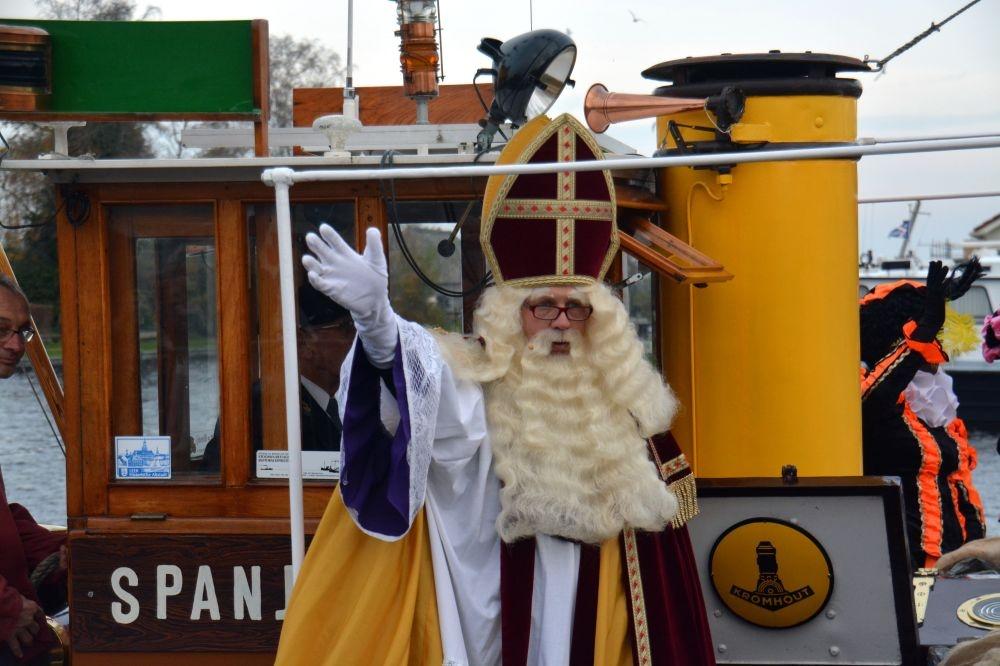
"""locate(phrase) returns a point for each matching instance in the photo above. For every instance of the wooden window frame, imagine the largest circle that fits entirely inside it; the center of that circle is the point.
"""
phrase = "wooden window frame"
(233, 502)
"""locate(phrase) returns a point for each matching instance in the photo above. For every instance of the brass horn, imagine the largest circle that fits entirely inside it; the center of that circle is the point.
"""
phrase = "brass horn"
(602, 108)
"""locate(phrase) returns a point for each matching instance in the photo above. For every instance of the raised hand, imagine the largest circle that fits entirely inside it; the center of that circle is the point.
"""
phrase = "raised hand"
(932, 317)
(962, 277)
(359, 282)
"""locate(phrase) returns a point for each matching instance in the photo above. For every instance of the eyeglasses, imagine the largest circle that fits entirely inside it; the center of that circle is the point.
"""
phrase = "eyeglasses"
(551, 312)
(6, 333)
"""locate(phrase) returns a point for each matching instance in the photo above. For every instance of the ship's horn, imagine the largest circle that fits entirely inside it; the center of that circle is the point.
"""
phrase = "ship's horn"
(602, 108)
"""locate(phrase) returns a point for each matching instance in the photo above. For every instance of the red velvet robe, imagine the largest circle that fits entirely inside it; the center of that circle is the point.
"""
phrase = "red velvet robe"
(668, 622)
(23, 545)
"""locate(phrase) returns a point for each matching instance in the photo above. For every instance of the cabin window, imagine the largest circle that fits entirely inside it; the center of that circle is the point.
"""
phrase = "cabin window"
(640, 299)
(165, 337)
(975, 302)
(423, 226)
(325, 334)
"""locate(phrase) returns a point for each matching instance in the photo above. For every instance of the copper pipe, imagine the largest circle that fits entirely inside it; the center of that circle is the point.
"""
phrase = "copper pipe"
(602, 108)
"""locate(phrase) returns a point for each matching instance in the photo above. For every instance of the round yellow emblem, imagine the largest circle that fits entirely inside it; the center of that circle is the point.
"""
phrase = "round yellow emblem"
(771, 573)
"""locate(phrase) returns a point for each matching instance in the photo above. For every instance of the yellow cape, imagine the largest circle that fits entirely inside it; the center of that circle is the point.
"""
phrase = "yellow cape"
(361, 600)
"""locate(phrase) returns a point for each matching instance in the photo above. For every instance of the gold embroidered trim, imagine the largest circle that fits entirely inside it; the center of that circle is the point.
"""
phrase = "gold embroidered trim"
(671, 467)
(656, 455)
(552, 281)
(566, 152)
(565, 245)
(490, 215)
(580, 209)
(565, 193)
(639, 621)
(686, 492)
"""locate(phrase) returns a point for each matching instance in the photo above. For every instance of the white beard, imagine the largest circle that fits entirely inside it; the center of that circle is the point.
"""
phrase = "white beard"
(572, 461)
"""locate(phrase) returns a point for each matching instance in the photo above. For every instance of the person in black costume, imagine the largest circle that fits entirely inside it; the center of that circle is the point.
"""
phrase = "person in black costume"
(910, 426)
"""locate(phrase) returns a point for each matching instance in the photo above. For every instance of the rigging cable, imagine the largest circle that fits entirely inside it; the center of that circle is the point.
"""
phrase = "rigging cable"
(5, 149)
(45, 413)
(879, 65)
(386, 162)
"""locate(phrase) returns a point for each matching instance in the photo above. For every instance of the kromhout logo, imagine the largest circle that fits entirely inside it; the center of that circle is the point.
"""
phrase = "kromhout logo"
(771, 573)
(770, 593)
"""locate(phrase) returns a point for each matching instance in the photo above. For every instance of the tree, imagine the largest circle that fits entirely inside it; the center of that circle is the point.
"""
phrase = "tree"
(298, 63)
(294, 63)
(27, 203)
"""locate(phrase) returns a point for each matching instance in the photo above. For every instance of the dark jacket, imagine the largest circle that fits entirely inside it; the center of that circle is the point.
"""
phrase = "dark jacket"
(23, 545)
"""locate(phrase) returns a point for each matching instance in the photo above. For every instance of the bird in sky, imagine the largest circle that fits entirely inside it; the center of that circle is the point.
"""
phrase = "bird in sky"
(635, 19)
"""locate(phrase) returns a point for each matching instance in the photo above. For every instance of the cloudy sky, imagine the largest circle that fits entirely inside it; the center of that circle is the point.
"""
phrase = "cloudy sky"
(950, 83)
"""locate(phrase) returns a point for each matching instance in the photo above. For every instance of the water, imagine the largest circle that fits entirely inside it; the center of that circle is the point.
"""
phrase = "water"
(34, 468)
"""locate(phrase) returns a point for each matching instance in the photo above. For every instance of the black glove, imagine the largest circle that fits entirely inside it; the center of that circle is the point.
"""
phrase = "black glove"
(962, 277)
(932, 318)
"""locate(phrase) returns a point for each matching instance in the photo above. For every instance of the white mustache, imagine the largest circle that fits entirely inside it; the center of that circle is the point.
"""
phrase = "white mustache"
(542, 342)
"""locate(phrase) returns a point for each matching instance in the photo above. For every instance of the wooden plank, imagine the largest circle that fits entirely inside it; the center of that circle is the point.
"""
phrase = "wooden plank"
(95, 362)
(630, 196)
(172, 222)
(257, 192)
(127, 405)
(201, 501)
(371, 213)
(614, 274)
(387, 105)
(278, 526)
(261, 68)
(667, 254)
(204, 568)
(269, 335)
(69, 325)
(234, 340)
(40, 361)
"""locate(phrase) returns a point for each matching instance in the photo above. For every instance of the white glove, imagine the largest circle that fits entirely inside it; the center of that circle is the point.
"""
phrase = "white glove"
(360, 283)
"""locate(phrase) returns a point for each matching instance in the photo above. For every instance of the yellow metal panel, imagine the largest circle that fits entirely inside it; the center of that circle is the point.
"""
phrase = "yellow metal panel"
(767, 365)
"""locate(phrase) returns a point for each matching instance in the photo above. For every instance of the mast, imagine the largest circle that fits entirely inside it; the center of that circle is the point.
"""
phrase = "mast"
(914, 211)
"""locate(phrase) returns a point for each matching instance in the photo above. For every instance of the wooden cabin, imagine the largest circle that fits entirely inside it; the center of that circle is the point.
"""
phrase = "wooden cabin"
(172, 350)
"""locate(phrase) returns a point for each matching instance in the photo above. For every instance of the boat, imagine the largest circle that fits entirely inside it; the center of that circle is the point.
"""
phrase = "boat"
(170, 280)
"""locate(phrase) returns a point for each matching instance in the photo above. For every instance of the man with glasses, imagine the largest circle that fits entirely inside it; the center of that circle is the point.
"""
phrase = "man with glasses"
(324, 330)
(24, 634)
(509, 497)
(15, 326)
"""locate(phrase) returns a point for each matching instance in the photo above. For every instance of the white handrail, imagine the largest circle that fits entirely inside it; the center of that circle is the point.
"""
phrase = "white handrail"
(282, 178)
(869, 140)
(846, 151)
(291, 358)
(928, 197)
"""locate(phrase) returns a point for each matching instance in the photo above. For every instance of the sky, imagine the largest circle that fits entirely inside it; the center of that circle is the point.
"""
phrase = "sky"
(947, 84)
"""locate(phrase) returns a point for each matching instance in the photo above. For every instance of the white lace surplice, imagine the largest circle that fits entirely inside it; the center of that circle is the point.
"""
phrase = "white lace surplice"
(451, 474)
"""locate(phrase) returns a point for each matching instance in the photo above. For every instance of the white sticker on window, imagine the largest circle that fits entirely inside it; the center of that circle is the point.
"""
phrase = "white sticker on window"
(323, 465)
